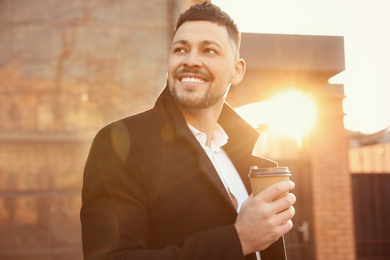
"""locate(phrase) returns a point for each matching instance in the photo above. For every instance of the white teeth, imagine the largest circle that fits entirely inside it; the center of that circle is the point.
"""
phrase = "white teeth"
(191, 80)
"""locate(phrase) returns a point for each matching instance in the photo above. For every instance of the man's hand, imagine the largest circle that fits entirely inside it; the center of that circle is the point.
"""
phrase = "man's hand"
(262, 221)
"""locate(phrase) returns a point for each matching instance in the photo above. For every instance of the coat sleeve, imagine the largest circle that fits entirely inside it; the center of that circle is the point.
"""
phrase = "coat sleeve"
(114, 213)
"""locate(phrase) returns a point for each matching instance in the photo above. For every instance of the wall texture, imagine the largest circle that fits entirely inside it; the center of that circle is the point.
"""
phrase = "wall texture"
(67, 68)
(331, 181)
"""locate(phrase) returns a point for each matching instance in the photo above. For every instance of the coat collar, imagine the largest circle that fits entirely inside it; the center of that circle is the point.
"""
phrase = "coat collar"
(231, 122)
(242, 138)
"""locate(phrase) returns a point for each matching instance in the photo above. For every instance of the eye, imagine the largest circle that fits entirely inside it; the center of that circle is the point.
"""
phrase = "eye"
(211, 51)
(179, 50)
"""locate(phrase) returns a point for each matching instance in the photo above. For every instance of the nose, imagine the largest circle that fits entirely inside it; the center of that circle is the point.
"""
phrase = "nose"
(192, 59)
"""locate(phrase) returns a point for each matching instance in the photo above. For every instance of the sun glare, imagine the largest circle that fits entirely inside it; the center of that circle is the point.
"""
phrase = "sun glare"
(292, 114)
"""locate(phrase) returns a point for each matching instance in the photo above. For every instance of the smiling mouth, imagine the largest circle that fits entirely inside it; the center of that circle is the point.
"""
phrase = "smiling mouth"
(192, 80)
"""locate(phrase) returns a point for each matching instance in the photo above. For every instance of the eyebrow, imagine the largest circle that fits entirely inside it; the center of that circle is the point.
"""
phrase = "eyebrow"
(205, 42)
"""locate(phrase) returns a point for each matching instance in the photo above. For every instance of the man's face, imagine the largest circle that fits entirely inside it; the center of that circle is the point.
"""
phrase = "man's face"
(201, 64)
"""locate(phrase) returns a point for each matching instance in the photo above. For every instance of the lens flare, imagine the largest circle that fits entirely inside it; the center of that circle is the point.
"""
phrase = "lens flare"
(292, 114)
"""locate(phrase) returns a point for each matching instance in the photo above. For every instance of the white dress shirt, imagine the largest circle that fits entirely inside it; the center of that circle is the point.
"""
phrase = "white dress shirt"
(223, 165)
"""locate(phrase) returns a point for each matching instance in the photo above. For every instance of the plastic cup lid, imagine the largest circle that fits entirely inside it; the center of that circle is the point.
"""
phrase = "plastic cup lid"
(281, 171)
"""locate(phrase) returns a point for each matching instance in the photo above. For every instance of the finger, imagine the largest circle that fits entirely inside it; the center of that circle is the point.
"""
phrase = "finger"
(285, 227)
(276, 190)
(284, 202)
(284, 216)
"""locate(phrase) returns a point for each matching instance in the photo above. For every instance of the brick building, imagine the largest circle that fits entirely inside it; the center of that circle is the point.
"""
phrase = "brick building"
(67, 68)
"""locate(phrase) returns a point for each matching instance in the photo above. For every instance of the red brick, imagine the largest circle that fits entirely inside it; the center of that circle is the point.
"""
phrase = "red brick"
(67, 68)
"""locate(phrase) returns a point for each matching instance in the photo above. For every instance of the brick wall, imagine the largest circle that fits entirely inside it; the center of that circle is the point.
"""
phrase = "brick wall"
(40, 199)
(332, 194)
(67, 68)
(61, 59)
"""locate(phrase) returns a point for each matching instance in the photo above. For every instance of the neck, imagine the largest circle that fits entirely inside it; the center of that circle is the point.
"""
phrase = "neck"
(205, 120)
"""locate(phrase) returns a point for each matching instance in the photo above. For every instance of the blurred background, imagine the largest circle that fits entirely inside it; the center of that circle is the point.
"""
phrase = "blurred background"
(316, 88)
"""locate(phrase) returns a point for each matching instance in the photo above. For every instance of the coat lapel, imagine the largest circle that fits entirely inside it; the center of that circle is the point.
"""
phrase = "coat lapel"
(204, 164)
(242, 139)
(207, 167)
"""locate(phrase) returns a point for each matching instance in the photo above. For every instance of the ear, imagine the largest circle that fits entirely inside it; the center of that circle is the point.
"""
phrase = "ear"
(239, 71)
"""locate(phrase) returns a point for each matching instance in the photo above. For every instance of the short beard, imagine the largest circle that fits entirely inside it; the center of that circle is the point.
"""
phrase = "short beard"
(188, 102)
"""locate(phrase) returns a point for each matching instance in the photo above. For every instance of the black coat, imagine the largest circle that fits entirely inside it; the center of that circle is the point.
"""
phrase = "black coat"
(151, 192)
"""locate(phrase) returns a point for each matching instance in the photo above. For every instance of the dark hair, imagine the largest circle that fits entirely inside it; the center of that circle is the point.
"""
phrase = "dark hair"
(206, 11)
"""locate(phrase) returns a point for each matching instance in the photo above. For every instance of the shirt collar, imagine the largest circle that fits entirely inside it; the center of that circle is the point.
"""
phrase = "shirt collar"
(219, 138)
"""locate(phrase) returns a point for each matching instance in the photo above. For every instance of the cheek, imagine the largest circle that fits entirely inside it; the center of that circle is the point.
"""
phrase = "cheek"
(224, 72)
(173, 64)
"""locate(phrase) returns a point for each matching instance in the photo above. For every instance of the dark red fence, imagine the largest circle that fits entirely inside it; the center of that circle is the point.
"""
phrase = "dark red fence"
(371, 199)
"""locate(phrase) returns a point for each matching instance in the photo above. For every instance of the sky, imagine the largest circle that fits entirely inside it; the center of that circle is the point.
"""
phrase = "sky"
(365, 26)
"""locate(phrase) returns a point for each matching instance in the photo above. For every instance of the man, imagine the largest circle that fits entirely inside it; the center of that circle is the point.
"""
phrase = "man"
(168, 183)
